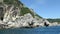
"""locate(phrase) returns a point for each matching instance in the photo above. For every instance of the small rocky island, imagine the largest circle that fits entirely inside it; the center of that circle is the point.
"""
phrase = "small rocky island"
(13, 14)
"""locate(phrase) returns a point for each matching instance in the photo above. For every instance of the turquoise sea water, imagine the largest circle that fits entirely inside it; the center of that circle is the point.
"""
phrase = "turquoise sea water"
(39, 30)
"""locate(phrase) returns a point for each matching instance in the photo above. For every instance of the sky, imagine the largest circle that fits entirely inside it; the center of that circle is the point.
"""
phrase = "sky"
(44, 8)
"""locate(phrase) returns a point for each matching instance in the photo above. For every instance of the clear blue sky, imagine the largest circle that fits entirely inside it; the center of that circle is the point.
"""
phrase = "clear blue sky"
(44, 8)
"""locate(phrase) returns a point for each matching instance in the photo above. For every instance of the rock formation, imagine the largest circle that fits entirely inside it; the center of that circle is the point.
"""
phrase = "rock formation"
(17, 16)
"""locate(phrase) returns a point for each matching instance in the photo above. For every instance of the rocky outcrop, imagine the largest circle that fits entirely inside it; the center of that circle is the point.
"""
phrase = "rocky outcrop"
(13, 16)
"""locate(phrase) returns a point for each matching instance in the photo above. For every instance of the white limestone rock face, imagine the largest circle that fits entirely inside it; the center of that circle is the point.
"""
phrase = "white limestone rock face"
(11, 13)
(38, 22)
(54, 24)
(22, 21)
(1, 22)
(13, 20)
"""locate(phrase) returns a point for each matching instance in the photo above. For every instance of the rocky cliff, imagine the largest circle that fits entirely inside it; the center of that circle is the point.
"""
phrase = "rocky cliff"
(13, 14)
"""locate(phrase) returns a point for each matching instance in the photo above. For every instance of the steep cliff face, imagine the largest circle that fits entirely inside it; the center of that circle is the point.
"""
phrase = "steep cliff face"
(7, 4)
(16, 15)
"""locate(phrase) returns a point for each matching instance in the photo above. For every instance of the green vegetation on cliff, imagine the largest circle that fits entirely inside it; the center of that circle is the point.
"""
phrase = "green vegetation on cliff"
(54, 20)
(26, 10)
(14, 2)
(38, 16)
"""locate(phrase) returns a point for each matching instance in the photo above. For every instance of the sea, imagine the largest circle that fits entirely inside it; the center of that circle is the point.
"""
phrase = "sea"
(37, 30)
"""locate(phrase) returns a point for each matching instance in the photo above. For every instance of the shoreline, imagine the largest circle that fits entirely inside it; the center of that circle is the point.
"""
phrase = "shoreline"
(31, 26)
